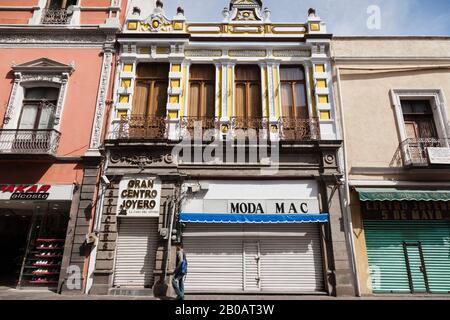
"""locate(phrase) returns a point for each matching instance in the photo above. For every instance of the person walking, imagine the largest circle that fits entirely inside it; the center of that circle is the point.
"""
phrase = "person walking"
(180, 272)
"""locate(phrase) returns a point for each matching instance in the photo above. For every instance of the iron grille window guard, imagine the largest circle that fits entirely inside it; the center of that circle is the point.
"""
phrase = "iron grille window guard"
(55, 16)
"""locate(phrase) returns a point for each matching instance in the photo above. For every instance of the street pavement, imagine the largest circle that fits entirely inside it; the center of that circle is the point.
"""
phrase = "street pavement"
(14, 294)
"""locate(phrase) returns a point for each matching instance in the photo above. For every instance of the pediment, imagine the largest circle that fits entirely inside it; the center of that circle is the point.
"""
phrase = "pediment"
(45, 65)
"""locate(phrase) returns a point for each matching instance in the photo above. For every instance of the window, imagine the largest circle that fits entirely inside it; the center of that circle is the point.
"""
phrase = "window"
(202, 90)
(38, 109)
(150, 95)
(293, 92)
(248, 92)
(419, 120)
(61, 4)
(420, 129)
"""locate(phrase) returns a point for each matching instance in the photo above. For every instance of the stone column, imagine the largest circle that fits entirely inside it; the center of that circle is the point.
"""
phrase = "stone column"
(342, 275)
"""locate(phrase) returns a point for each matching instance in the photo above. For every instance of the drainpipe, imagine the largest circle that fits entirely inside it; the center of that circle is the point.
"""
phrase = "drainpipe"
(346, 184)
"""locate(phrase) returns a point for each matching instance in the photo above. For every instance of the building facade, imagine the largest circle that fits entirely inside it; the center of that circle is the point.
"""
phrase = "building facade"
(393, 94)
(57, 58)
(222, 137)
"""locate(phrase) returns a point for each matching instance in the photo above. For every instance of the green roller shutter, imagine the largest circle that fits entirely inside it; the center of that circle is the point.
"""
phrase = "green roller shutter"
(387, 259)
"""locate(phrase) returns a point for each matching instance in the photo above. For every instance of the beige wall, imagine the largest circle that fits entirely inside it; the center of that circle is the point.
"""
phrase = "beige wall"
(372, 134)
(369, 69)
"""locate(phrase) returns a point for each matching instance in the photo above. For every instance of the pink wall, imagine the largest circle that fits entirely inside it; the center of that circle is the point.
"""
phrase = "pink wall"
(19, 3)
(95, 3)
(79, 107)
(93, 17)
(40, 173)
(15, 17)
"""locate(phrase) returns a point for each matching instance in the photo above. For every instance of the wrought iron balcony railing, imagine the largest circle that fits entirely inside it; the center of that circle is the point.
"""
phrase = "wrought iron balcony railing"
(143, 127)
(292, 129)
(198, 125)
(29, 141)
(55, 16)
(159, 128)
(416, 152)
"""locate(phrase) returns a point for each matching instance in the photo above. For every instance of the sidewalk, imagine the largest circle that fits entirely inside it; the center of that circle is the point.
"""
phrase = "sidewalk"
(14, 294)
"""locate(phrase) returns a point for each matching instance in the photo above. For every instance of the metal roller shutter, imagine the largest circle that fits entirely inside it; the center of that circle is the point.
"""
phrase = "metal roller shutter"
(253, 258)
(136, 252)
(387, 261)
(293, 264)
(214, 265)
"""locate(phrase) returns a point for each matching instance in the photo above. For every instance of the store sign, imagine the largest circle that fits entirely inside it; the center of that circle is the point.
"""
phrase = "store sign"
(439, 155)
(31, 192)
(262, 206)
(139, 197)
(406, 210)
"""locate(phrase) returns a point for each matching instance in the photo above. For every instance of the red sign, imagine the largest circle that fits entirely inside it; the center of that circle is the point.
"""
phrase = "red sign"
(26, 191)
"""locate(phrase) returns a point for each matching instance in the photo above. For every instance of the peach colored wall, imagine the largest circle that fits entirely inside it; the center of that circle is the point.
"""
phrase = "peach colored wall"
(93, 17)
(40, 172)
(123, 11)
(95, 3)
(18, 3)
(15, 17)
(79, 107)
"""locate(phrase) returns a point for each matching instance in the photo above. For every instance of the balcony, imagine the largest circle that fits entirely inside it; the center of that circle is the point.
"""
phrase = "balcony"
(140, 127)
(29, 142)
(143, 127)
(423, 152)
(56, 16)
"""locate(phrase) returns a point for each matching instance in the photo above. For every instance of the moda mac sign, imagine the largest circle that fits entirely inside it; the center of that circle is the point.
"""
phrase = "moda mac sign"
(308, 206)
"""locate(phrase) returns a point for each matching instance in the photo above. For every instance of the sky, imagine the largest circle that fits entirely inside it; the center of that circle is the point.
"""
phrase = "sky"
(343, 17)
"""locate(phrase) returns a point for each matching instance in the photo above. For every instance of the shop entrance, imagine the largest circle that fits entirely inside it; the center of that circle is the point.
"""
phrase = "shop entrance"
(14, 228)
(32, 236)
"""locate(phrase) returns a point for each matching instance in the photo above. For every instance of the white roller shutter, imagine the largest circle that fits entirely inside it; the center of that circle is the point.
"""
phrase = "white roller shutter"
(271, 258)
(136, 252)
(214, 265)
(292, 264)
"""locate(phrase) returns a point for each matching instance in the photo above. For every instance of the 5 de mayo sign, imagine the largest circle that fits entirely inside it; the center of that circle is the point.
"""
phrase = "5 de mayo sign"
(139, 197)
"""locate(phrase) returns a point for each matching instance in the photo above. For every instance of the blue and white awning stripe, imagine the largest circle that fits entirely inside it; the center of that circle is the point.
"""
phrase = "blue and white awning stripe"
(252, 218)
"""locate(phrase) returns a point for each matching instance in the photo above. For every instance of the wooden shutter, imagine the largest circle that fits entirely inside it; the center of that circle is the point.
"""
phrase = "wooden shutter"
(202, 91)
(248, 92)
(150, 97)
(141, 94)
(293, 92)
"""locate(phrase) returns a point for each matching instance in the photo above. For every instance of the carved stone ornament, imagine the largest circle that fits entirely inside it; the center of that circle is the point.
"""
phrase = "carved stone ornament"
(142, 160)
(42, 70)
(157, 22)
(329, 159)
(247, 10)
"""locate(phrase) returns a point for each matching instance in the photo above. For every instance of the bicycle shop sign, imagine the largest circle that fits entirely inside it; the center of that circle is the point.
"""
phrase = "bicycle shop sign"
(139, 197)
(27, 192)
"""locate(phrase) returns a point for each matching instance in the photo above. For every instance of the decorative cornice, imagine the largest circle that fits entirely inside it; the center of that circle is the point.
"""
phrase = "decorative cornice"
(49, 37)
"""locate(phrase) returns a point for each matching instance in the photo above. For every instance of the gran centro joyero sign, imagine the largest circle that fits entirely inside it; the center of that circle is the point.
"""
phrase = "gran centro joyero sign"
(139, 197)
